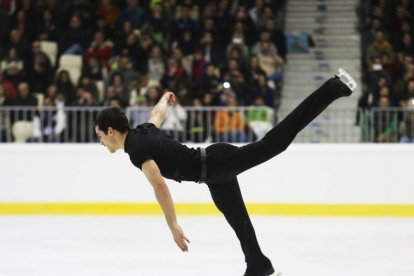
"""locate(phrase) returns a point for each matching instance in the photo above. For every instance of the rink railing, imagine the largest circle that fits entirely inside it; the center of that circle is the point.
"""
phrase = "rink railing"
(208, 124)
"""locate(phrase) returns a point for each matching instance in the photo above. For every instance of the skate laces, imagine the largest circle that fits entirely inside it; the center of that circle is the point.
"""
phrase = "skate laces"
(346, 79)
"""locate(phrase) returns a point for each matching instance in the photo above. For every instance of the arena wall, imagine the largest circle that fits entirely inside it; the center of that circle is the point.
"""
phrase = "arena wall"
(307, 179)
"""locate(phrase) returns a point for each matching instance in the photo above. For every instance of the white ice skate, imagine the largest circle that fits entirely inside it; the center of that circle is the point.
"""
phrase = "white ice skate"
(346, 78)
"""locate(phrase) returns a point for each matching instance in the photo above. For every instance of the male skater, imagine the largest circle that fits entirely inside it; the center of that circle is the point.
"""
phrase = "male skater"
(218, 165)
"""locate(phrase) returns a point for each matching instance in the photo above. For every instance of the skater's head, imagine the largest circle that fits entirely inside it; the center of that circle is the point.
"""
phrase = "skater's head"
(111, 126)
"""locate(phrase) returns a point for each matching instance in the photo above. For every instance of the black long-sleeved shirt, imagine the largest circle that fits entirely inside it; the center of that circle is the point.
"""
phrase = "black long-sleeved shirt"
(175, 160)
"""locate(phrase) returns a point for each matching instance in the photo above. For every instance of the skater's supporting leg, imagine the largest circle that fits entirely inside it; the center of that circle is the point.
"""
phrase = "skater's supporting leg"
(229, 201)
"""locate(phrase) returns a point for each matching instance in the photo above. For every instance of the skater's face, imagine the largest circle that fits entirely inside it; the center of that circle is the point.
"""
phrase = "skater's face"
(107, 139)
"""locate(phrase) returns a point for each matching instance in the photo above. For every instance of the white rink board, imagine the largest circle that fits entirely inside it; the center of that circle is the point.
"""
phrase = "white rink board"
(305, 173)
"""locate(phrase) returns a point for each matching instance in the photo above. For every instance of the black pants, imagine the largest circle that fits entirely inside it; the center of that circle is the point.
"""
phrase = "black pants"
(225, 162)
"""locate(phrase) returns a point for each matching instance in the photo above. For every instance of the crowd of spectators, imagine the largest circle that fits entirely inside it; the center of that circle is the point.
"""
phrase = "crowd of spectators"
(388, 67)
(139, 48)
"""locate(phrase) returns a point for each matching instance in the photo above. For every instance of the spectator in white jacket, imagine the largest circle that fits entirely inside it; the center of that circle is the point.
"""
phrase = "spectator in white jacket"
(175, 122)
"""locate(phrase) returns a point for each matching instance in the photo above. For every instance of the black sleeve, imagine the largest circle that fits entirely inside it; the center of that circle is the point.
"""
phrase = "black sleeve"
(138, 157)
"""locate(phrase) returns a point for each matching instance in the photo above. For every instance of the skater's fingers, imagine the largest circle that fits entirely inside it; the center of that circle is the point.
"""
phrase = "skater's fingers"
(186, 239)
(181, 244)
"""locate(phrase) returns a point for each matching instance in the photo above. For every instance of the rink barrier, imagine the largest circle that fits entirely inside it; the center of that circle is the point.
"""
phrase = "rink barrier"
(307, 179)
(200, 209)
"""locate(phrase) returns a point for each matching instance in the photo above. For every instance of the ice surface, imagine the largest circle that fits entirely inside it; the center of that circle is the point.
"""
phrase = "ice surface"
(139, 245)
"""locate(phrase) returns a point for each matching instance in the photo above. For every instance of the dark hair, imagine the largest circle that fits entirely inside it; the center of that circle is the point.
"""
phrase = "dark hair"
(112, 117)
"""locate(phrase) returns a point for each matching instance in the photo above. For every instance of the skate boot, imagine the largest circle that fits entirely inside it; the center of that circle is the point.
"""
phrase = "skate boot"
(346, 78)
(266, 270)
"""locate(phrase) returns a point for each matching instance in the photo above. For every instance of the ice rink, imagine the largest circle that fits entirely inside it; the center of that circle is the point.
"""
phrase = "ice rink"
(139, 245)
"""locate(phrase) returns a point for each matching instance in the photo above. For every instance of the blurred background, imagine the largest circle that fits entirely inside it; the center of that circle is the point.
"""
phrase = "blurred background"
(237, 67)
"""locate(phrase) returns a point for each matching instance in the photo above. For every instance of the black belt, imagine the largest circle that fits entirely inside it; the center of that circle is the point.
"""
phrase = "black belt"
(203, 174)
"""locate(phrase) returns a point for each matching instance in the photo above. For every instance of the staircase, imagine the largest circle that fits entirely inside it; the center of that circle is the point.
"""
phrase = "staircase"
(332, 25)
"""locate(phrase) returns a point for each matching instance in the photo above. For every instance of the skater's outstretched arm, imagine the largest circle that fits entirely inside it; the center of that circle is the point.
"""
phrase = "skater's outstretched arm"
(157, 115)
(162, 193)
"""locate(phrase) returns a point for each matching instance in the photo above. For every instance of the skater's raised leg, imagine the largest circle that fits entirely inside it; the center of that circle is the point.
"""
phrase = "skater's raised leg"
(282, 135)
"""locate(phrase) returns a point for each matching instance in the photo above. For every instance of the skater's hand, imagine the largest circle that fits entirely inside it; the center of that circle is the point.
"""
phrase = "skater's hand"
(179, 237)
(169, 97)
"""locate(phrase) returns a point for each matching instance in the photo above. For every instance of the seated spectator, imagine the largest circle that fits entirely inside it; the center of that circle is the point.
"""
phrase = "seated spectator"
(122, 33)
(39, 69)
(21, 22)
(75, 39)
(100, 48)
(156, 66)
(110, 94)
(270, 62)
(65, 86)
(244, 24)
(94, 69)
(81, 119)
(51, 122)
(24, 99)
(385, 123)
(199, 66)
(12, 66)
(400, 86)
(108, 11)
(407, 45)
(118, 83)
(186, 42)
(19, 43)
(88, 84)
(3, 96)
(231, 66)
(159, 21)
(223, 15)
(81, 8)
(47, 29)
(407, 134)
(238, 44)
(198, 122)
(84, 98)
(229, 123)
(191, 5)
(52, 93)
(175, 122)
(259, 119)
(264, 37)
(184, 22)
(124, 67)
(102, 26)
(378, 47)
(217, 34)
(254, 70)
(212, 52)
(277, 36)
(208, 83)
(184, 60)
(236, 54)
(256, 12)
(8, 87)
(4, 127)
(175, 79)
(240, 87)
(132, 48)
(139, 113)
(133, 13)
(264, 92)
(153, 95)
